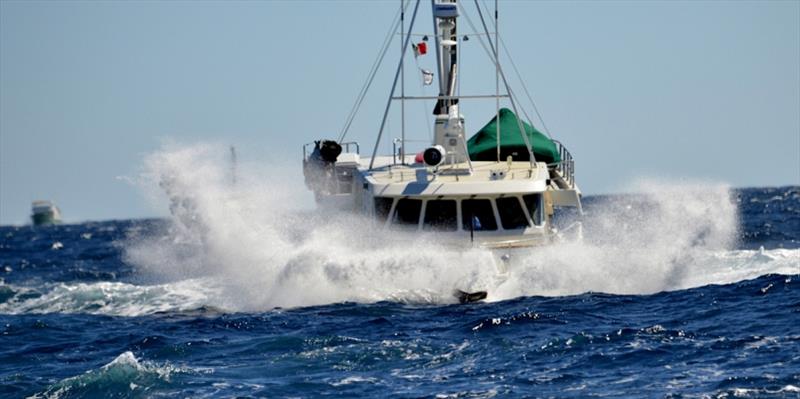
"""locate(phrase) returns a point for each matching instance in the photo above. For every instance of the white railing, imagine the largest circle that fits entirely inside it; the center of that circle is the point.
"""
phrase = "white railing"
(345, 147)
(565, 168)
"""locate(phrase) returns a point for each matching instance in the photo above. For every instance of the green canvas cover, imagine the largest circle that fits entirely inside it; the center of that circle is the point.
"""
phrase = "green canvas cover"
(483, 145)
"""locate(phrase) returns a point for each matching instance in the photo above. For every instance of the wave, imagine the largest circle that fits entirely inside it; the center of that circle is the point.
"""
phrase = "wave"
(206, 295)
(251, 240)
(125, 376)
(107, 298)
(638, 272)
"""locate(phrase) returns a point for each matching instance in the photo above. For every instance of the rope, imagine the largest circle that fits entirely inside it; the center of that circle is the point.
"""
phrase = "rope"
(491, 56)
(475, 30)
(524, 86)
(496, 59)
(373, 71)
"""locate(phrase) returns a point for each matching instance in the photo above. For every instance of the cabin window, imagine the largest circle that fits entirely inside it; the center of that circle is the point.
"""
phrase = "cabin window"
(407, 211)
(533, 203)
(477, 215)
(382, 207)
(511, 214)
(440, 215)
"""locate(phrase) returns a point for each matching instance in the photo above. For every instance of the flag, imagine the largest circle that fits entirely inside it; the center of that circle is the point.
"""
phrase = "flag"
(419, 49)
(427, 77)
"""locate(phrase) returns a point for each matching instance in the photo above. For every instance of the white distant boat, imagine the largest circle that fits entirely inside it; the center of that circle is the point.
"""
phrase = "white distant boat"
(45, 213)
(498, 189)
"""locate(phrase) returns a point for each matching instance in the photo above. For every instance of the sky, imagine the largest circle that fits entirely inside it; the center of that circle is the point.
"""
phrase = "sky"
(681, 90)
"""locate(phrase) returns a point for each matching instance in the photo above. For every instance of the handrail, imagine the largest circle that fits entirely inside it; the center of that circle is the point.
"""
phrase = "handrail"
(328, 177)
(397, 141)
(464, 97)
(565, 168)
(345, 145)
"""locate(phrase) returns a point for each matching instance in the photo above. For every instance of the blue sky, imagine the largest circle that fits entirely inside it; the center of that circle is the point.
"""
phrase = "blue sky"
(676, 90)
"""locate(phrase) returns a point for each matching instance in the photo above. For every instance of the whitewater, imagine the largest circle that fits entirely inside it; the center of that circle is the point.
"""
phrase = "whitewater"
(247, 289)
(257, 251)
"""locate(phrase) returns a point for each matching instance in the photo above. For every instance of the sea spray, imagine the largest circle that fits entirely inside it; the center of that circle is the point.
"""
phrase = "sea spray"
(65, 314)
(665, 235)
(266, 252)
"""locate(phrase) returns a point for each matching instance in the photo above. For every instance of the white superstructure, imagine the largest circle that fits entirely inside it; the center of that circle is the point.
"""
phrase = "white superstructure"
(505, 202)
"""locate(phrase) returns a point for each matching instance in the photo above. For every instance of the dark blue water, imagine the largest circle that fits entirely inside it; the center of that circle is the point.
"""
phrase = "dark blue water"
(79, 317)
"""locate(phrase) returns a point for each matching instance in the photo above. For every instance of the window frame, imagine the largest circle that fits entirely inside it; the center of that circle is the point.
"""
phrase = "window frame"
(460, 226)
(539, 209)
(521, 203)
(393, 220)
(494, 214)
(430, 227)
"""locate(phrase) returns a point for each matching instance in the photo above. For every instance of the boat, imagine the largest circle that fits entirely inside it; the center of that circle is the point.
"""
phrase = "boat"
(45, 213)
(498, 189)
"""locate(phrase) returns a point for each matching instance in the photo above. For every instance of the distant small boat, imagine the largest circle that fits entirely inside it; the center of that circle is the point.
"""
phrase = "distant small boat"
(45, 213)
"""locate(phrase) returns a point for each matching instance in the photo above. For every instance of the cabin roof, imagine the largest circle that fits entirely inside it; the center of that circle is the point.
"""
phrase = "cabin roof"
(486, 178)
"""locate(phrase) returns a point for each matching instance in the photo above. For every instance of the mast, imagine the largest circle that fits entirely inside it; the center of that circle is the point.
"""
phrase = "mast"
(449, 125)
(445, 15)
(437, 41)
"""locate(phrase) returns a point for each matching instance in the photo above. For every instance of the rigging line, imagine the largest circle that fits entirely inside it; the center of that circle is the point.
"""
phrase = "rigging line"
(371, 76)
(475, 30)
(524, 86)
(489, 54)
(394, 86)
(496, 59)
(524, 112)
(525, 89)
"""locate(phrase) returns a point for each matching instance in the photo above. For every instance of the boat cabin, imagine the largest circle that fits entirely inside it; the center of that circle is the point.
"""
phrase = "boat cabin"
(501, 184)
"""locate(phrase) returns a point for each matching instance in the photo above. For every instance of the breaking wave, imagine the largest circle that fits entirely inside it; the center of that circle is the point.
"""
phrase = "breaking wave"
(206, 295)
(263, 246)
(125, 376)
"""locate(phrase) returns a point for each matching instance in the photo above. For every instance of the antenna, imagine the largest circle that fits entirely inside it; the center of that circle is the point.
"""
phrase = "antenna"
(496, 80)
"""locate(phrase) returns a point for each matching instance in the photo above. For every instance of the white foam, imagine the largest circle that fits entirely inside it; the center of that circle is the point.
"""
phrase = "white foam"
(254, 244)
(109, 298)
(669, 236)
(354, 379)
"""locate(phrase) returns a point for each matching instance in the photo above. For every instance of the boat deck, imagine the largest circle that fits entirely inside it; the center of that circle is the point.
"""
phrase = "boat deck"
(390, 178)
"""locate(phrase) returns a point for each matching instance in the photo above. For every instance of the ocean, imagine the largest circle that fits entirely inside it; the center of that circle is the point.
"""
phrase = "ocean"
(679, 290)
